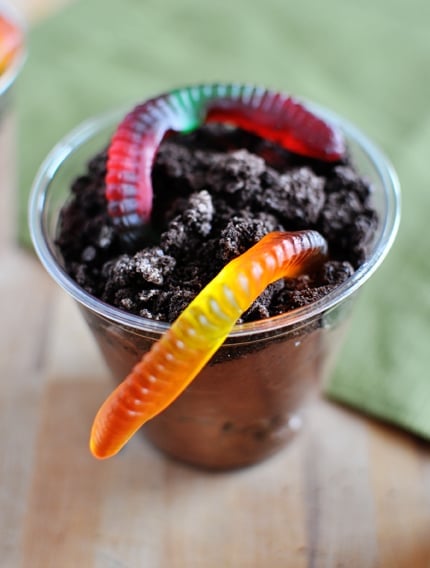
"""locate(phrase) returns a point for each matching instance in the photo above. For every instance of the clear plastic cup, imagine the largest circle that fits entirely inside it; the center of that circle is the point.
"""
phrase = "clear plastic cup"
(247, 402)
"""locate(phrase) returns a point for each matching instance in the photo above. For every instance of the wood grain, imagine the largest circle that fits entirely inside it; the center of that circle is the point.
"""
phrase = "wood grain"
(347, 492)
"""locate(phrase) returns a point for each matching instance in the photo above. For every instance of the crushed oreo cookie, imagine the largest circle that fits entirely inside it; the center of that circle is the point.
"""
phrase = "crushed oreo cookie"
(217, 191)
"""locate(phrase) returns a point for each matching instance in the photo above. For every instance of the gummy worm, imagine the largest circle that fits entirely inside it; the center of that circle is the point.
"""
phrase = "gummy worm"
(10, 42)
(276, 117)
(174, 361)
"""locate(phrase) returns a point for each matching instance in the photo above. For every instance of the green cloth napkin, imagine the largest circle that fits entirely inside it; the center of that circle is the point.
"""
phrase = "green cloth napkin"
(368, 60)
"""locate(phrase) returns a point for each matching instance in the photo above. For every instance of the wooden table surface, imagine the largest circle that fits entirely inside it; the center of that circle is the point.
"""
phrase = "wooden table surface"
(347, 492)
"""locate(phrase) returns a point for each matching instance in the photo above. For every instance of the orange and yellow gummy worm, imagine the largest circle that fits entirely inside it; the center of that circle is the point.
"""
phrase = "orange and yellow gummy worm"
(175, 360)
